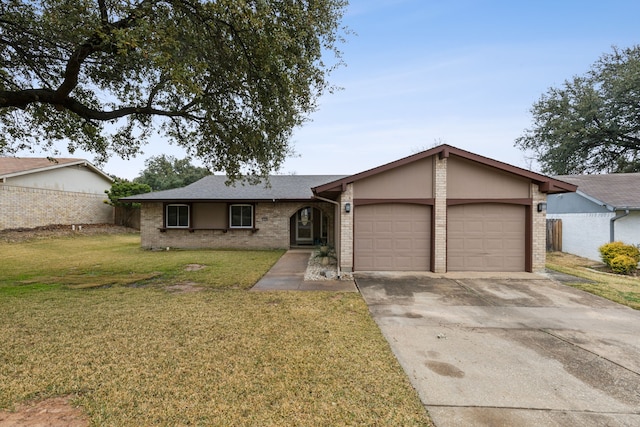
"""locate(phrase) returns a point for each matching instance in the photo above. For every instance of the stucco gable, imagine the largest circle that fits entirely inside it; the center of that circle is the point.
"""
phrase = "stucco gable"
(546, 184)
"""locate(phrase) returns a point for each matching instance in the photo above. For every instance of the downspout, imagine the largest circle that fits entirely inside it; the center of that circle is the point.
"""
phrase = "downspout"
(612, 228)
(334, 226)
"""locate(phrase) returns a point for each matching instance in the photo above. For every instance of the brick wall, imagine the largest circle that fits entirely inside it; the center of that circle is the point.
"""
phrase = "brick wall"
(23, 207)
(539, 237)
(346, 233)
(272, 222)
(440, 207)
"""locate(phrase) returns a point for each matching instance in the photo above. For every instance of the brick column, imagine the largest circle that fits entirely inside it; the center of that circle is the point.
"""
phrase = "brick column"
(440, 208)
(539, 234)
(346, 230)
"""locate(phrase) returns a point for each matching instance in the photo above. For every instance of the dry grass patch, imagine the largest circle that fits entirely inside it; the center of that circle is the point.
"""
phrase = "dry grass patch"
(145, 357)
(619, 288)
(138, 355)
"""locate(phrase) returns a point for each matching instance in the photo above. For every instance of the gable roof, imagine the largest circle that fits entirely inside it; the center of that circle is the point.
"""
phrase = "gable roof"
(547, 184)
(214, 188)
(16, 166)
(616, 190)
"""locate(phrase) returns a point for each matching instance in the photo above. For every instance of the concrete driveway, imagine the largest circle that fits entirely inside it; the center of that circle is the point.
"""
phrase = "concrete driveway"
(510, 350)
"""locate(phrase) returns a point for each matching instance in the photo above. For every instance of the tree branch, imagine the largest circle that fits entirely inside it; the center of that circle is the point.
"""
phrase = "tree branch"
(93, 44)
(21, 99)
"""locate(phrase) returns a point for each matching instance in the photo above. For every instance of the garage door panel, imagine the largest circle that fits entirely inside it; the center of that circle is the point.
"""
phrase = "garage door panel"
(403, 245)
(486, 237)
(366, 244)
(511, 227)
(383, 244)
(400, 236)
(495, 227)
(495, 244)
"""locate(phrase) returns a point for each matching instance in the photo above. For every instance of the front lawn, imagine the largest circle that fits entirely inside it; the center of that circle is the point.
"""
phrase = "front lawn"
(615, 287)
(92, 318)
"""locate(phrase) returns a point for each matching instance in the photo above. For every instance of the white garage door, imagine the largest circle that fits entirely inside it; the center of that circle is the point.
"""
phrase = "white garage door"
(486, 237)
(392, 237)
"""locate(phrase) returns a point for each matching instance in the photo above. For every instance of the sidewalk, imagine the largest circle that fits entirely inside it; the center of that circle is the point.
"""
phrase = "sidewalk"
(288, 275)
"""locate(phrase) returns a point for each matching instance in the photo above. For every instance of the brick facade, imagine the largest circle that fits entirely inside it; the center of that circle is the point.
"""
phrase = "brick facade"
(539, 231)
(440, 209)
(272, 224)
(346, 230)
(442, 179)
(23, 207)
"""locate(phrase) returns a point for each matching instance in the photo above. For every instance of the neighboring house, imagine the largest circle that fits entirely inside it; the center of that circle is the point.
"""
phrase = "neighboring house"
(443, 209)
(605, 208)
(40, 191)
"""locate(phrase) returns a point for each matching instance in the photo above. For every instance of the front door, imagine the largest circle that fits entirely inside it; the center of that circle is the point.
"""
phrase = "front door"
(304, 226)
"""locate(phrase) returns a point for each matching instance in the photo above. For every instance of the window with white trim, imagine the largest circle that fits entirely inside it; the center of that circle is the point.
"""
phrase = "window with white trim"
(241, 216)
(177, 216)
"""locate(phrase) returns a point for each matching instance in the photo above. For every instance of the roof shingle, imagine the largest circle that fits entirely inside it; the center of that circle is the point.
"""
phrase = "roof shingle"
(213, 187)
(618, 190)
(12, 165)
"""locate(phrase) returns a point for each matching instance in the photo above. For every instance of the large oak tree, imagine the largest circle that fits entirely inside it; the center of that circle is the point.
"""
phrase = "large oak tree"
(592, 123)
(227, 79)
(166, 172)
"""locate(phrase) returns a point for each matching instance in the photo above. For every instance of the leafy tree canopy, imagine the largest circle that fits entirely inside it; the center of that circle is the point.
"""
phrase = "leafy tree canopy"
(226, 79)
(166, 172)
(592, 123)
(123, 188)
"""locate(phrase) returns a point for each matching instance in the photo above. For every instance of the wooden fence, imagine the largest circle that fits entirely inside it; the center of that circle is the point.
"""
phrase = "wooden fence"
(129, 217)
(554, 235)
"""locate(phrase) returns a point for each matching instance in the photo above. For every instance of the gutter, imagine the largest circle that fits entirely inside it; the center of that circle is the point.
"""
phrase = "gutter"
(612, 228)
(334, 222)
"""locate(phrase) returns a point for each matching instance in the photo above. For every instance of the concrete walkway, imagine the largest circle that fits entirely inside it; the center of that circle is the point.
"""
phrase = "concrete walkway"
(288, 275)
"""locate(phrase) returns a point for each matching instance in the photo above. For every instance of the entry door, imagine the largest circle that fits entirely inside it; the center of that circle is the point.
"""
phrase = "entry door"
(304, 226)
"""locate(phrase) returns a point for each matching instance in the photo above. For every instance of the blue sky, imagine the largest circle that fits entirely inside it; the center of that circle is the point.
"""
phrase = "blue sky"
(424, 72)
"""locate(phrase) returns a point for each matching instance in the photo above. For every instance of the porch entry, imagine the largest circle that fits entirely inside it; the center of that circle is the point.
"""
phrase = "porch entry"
(308, 226)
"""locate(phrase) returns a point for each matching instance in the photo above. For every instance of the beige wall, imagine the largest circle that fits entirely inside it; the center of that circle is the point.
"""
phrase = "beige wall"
(271, 220)
(22, 207)
(470, 180)
(209, 215)
(77, 179)
(412, 181)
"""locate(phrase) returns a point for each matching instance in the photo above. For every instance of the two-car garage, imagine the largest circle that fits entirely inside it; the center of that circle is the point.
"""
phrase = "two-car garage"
(442, 210)
(480, 237)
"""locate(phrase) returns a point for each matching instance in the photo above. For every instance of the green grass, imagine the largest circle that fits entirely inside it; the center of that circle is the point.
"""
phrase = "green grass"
(103, 260)
(615, 287)
(139, 355)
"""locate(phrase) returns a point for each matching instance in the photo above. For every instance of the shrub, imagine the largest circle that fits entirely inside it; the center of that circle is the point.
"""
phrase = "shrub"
(623, 264)
(626, 257)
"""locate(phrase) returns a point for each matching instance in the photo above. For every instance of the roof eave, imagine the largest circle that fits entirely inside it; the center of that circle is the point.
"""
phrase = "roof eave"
(58, 166)
(547, 184)
(132, 199)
